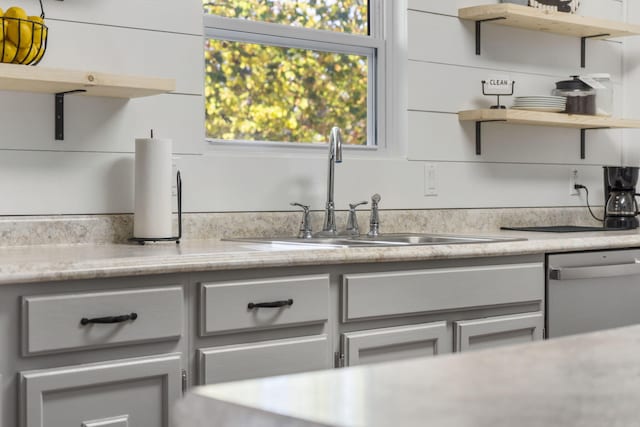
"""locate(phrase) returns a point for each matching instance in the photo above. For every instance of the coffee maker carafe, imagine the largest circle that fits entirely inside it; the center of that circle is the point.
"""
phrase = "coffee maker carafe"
(621, 207)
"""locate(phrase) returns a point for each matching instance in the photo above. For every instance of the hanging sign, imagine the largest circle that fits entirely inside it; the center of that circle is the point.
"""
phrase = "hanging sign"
(498, 85)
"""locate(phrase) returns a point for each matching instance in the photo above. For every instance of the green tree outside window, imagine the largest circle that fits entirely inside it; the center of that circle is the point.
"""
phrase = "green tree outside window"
(258, 92)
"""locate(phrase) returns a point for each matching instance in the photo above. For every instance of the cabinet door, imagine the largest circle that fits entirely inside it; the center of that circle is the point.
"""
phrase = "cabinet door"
(401, 342)
(263, 359)
(125, 393)
(498, 331)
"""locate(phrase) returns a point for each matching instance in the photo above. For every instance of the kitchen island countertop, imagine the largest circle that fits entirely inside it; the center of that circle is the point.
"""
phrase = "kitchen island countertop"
(23, 264)
(582, 380)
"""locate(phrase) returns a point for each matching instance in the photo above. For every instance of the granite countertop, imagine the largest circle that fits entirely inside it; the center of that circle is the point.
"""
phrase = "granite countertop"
(582, 380)
(22, 264)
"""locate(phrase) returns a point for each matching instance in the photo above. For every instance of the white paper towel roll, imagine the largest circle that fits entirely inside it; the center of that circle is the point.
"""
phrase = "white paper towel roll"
(152, 215)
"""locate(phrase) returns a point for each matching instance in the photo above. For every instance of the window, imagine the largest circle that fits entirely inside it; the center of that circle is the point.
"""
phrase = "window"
(289, 70)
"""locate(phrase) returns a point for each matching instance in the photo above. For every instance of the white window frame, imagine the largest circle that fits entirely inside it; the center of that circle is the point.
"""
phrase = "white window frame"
(373, 46)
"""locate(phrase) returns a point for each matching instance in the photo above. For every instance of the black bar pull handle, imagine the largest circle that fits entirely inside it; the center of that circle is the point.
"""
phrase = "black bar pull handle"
(274, 304)
(110, 319)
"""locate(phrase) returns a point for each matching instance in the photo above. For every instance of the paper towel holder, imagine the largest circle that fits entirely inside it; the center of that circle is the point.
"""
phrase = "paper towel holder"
(143, 240)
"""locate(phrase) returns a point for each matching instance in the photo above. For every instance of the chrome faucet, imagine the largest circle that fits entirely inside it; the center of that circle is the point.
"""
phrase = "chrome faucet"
(335, 156)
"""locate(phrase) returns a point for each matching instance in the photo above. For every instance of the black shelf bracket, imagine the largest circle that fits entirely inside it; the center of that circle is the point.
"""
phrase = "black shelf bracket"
(479, 134)
(583, 48)
(59, 113)
(583, 40)
(583, 138)
(479, 31)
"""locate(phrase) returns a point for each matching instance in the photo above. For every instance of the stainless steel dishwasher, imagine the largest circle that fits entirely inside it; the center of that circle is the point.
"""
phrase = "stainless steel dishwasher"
(590, 291)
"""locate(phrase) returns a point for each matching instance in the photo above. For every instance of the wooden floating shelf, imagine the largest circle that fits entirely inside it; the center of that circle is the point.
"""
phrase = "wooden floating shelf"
(23, 78)
(530, 18)
(539, 118)
(14, 77)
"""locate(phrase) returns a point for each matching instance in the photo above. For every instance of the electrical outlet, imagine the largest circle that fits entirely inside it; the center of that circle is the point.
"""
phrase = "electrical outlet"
(430, 180)
(573, 180)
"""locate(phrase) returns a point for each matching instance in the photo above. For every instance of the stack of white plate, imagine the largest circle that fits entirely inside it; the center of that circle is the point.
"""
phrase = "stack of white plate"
(553, 104)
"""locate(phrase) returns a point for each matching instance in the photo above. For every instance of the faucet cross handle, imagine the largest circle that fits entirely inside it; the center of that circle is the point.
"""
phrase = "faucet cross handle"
(374, 220)
(352, 221)
(305, 231)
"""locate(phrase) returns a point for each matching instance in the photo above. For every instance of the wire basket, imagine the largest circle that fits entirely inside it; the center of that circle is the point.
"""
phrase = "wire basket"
(24, 41)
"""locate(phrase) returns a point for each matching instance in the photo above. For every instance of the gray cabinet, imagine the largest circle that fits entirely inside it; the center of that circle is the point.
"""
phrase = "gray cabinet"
(263, 327)
(498, 331)
(117, 370)
(395, 343)
(234, 325)
(262, 359)
(461, 308)
(123, 393)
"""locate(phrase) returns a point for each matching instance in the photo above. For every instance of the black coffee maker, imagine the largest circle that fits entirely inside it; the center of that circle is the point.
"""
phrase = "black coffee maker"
(621, 207)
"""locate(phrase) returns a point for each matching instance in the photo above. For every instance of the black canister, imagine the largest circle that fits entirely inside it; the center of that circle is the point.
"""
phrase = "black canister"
(581, 98)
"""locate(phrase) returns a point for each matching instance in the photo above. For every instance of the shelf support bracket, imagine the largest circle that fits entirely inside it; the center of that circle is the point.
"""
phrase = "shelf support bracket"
(583, 138)
(479, 31)
(59, 113)
(583, 47)
(479, 134)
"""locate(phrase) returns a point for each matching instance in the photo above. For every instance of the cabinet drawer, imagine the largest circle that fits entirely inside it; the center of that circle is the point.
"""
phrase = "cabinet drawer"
(412, 292)
(54, 323)
(263, 359)
(123, 393)
(225, 306)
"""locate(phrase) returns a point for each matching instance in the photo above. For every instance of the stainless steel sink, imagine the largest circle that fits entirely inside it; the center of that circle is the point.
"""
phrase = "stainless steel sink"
(316, 241)
(429, 239)
(404, 239)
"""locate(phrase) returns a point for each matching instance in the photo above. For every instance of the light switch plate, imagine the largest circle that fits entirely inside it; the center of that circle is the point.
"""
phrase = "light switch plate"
(430, 180)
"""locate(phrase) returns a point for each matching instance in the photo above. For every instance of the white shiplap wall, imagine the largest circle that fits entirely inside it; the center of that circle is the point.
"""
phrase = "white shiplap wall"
(445, 75)
(92, 170)
(631, 97)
